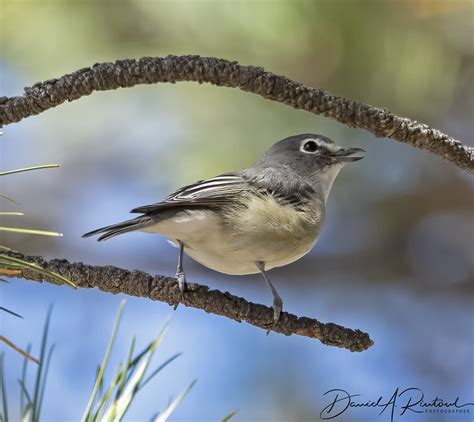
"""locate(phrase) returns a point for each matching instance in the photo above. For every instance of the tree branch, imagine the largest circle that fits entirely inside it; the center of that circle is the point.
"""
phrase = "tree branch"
(165, 289)
(149, 70)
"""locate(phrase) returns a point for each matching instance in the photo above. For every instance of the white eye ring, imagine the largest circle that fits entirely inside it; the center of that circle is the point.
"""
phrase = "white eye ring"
(310, 146)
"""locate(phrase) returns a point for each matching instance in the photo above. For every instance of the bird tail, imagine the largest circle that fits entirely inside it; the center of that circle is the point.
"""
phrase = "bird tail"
(120, 228)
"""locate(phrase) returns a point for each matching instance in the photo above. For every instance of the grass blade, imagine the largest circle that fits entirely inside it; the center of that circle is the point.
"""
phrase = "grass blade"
(163, 417)
(126, 369)
(24, 370)
(165, 363)
(10, 262)
(10, 312)
(30, 231)
(4, 390)
(137, 358)
(17, 349)
(230, 416)
(104, 401)
(43, 384)
(9, 199)
(100, 392)
(25, 394)
(86, 417)
(6, 248)
(110, 404)
(134, 379)
(27, 415)
(36, 396)
(121, 405)
(46, 166)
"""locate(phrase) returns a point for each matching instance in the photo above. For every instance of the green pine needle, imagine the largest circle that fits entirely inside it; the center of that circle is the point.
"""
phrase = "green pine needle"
(46, 166)
(10, 312)
(17, 264)
(9, 199)
(29, 231)
(88, 412)
(163, 417)
(230, 416)
(113, 402)
(4, 414)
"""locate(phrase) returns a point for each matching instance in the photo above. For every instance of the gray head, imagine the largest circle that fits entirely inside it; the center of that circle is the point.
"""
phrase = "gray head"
(314, 157)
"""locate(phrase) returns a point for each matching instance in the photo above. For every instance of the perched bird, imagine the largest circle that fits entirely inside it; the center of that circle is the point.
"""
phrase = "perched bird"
(250, 220)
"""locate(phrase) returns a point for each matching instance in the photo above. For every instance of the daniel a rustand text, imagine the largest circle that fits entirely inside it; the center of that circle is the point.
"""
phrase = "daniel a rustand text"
(401, 403)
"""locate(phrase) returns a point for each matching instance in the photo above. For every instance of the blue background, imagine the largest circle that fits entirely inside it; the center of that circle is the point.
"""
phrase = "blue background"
(395, 257)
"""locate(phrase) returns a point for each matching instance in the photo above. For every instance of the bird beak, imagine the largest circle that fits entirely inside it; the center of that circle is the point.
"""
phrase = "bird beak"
(348, 155)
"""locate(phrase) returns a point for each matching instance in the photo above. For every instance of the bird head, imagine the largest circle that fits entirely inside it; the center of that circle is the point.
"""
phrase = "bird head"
(313, 157)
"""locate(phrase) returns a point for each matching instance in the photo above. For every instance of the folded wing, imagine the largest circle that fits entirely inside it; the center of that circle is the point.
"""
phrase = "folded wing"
(209, 194)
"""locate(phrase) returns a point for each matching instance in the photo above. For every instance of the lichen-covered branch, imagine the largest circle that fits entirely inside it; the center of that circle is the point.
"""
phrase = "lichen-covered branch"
(150, 70)
(165, 289)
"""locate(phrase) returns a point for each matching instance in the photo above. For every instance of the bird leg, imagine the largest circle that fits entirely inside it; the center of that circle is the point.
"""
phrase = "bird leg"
(180, 276)
(277, 302)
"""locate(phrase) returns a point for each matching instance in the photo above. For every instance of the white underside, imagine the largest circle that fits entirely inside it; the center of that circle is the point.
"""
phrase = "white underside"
(233, 250)
(261, 231)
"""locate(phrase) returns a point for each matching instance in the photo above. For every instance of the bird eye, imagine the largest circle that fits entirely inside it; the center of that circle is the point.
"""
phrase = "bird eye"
(310, 146)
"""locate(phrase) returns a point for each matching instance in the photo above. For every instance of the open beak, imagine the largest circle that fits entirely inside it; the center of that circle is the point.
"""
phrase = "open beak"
(348, 155)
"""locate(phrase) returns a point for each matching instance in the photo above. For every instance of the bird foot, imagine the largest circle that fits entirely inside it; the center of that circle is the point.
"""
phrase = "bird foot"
(277, 310)
(181, 278)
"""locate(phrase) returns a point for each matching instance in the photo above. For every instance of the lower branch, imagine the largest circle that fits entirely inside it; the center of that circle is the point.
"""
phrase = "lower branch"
(165, 289)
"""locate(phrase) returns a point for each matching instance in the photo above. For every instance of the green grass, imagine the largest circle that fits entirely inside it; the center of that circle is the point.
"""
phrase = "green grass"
(31, 400)
(111, 402)
(30, 231)
(22, 170)
(10, 263)
(111, 397)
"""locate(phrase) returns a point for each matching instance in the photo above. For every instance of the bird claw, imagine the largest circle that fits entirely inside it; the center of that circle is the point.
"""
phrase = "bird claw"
(180, 277)
(277, 310)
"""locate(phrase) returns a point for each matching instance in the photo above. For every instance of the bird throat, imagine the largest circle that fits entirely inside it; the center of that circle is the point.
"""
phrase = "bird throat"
(326, 178)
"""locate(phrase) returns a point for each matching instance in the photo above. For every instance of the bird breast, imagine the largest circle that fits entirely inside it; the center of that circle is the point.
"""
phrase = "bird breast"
(258, 229)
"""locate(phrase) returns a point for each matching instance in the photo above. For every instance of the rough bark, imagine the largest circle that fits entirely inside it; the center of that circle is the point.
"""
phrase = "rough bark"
(165, 289)
(149, 70)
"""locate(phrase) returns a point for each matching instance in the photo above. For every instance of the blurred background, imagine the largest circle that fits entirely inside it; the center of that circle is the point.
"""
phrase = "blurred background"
(395, 258)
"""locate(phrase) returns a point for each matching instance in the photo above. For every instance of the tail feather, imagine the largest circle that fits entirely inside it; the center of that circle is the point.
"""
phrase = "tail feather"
(120, 228)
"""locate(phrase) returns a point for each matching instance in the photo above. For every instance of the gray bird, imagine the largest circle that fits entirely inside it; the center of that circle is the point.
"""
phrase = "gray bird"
(250, 220)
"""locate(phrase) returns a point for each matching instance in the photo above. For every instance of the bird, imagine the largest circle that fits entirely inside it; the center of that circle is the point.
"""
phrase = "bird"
(250, 220)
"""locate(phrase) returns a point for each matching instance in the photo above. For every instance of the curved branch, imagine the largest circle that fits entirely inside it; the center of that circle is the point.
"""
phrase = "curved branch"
(165, 289)
(149, 70)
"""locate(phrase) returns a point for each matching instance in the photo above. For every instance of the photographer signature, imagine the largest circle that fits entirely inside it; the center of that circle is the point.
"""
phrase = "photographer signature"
(408, 400)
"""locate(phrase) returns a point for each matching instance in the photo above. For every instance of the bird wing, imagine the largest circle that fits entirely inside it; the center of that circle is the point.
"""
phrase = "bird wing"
(278, 182)
(209, 193)
(214, 193)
